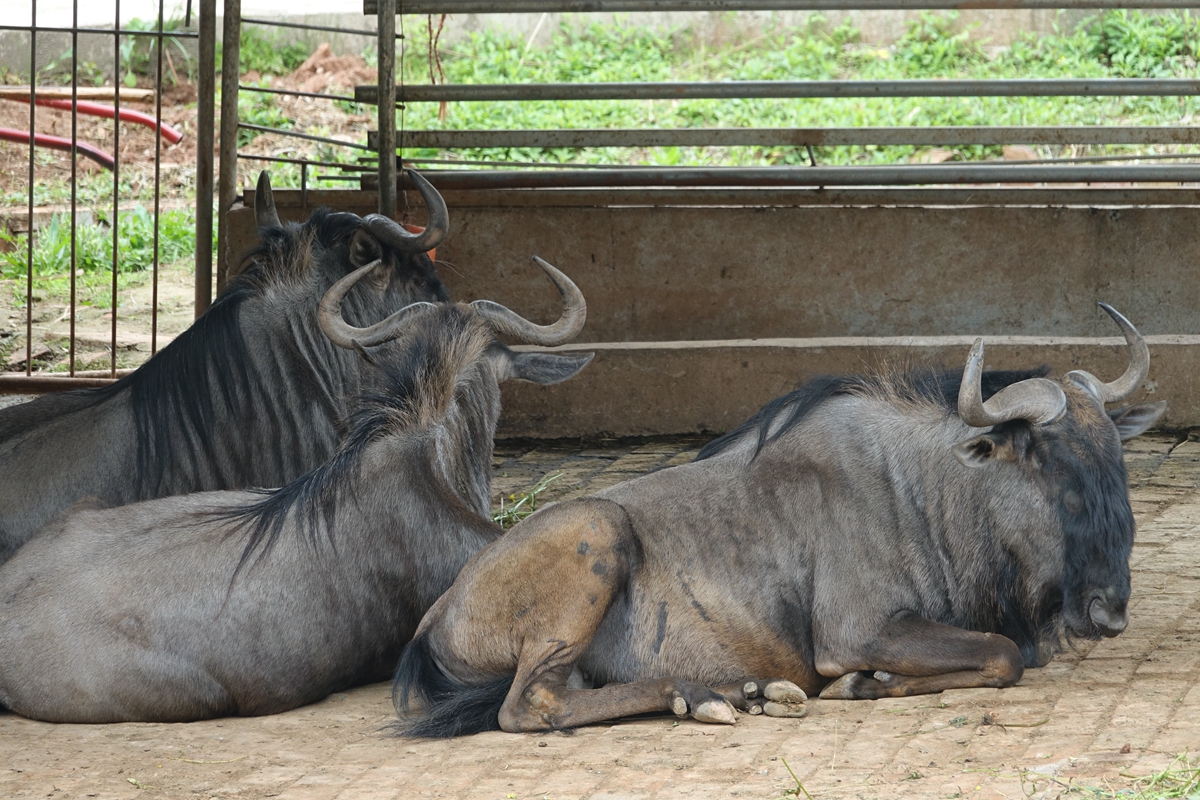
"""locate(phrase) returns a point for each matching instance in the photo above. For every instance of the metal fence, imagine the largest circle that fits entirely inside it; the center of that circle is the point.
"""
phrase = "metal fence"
(388, 96)
(128, 105)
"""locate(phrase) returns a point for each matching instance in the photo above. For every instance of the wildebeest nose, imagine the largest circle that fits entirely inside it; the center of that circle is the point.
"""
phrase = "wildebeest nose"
(1110, 618)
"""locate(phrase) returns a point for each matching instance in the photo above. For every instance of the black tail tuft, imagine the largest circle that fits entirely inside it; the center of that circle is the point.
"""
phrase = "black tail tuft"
(450, 708)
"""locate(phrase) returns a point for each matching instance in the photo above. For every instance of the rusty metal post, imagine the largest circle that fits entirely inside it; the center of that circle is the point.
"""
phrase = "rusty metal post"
(205, 135)
(231, 45)
(387, 107)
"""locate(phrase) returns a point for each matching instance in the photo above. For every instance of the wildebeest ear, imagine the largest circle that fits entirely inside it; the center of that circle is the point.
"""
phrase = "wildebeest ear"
(1132, 421)
(984, 450)
(363, 248)
(548, 368)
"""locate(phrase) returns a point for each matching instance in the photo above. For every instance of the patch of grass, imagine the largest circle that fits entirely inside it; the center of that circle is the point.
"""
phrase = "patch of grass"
(93, 253)
(1113, 44)
(1179, 781)
(522, 504)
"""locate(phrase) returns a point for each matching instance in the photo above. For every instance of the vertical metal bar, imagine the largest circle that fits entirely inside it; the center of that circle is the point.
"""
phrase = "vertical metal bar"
(387, 107)
(158, 92)
(227, 183)
(29, 241)
(206, 130)
(74, 171)
(116, 178)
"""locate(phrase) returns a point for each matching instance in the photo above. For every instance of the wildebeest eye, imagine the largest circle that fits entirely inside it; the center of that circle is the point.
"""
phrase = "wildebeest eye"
(1072, 501)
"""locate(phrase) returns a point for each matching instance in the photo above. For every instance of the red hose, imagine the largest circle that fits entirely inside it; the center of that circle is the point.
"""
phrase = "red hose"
(100, 110)
(58, 143)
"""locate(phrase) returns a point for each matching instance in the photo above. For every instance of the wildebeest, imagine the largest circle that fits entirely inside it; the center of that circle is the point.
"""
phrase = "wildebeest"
(897, 533)
(223, 603)
(249, 395)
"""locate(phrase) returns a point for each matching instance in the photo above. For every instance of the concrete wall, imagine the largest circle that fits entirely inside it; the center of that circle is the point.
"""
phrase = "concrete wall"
(677, 293)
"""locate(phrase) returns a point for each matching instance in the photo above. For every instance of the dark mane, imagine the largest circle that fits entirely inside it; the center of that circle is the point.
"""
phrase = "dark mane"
(412, 372)
(931, 385)
(170, 395)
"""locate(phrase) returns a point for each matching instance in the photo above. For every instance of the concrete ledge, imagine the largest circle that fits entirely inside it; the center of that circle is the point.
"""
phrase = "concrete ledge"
(642, 388)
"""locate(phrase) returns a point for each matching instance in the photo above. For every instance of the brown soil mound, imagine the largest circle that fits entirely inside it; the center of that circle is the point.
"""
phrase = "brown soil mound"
(323, 71)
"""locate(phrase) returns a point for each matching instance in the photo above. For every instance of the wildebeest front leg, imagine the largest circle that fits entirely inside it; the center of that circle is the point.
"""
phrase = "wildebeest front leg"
(914, 655)
(547, 703)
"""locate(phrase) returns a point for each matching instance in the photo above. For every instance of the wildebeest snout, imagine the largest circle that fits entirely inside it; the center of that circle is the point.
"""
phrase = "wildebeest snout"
(1109, 610)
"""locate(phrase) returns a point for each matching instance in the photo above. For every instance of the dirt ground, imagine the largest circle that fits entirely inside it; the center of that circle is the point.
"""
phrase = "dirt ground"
(1106, 710)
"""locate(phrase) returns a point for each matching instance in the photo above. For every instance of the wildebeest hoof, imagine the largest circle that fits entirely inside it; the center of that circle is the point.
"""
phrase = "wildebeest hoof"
(679, 706)
(841, 689)
(854, 686)
(793, 710)
(784, 692)
(717, 711)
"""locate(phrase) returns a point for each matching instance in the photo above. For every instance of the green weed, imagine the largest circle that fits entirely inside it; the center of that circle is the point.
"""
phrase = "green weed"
(93, 252)
(522, 504)
(265, 52)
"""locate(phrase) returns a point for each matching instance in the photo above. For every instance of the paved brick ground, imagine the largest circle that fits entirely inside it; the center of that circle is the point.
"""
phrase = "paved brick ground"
(1126, 705)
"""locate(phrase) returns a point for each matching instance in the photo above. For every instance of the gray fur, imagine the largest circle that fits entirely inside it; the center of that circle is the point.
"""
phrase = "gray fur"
(153, 611)
(250, 395)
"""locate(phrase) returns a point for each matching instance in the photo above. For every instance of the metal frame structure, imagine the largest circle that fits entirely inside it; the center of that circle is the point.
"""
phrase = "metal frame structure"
(1057, 173)
(1045, 171)
(204, 166)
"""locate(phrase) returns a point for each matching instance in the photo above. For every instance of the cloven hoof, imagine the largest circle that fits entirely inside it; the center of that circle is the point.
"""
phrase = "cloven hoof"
(841, 689)
(717, 711)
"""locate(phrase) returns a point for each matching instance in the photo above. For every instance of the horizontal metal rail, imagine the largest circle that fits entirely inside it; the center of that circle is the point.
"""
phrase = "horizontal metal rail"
(799, 137)
(906, 175)
(299, 135)
(740, 90)
(294, 93)
(370, 7)
(304, 26)
(180, 34)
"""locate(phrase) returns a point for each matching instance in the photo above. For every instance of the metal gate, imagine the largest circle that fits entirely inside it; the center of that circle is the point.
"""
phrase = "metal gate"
(64, 252)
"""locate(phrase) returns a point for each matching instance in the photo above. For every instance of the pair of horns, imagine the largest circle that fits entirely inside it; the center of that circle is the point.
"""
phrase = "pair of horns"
(385, 229)
(1040, 400)
(502, 320)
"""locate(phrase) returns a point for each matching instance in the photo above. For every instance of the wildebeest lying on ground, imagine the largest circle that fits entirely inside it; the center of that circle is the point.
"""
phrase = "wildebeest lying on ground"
(250, 395)
(901, 534)
(222, 603)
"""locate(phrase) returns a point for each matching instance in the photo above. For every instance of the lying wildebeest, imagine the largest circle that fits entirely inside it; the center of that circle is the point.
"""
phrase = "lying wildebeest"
(857, 529)
(249, 395)
(222, 603)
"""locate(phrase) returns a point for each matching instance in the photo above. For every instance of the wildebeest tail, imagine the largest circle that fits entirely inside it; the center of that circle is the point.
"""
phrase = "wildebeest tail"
(450, 708)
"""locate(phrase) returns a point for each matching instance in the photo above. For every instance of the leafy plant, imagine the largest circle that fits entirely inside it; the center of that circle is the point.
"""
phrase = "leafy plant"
(930, 45)
(266, 53)
(1135, 44)
(139, 56)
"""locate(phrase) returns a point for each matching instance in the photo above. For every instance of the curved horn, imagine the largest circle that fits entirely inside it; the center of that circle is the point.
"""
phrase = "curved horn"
(343, 334)
(574, 314)
(264, 203)
(1135, 374)
(1035, 399)
(390, 232)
